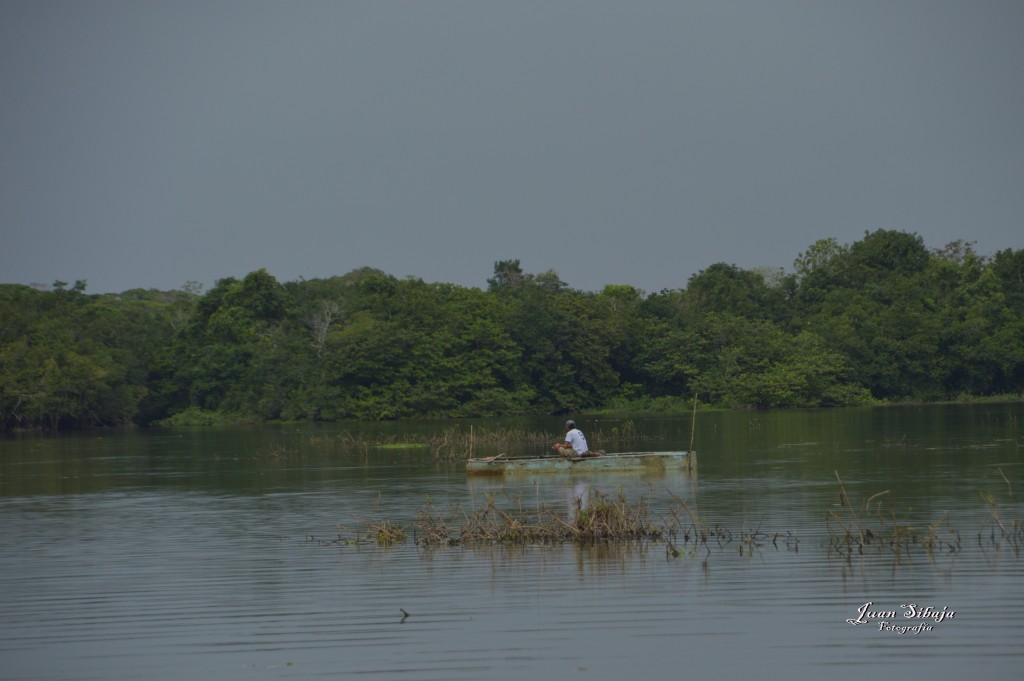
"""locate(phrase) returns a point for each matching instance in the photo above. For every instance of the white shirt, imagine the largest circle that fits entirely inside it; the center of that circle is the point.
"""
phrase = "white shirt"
(576, 438)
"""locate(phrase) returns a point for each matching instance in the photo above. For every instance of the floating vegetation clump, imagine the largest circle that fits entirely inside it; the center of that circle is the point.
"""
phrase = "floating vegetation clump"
(386, 533)
(595, 518)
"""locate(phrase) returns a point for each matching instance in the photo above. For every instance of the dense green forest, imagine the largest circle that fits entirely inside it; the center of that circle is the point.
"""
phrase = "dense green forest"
(882, 319)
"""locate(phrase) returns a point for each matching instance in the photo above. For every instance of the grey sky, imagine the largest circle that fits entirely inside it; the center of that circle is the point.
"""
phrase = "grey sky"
(146, 144)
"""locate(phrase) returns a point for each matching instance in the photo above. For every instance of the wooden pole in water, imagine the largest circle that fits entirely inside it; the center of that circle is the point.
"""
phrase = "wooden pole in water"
(693, 422)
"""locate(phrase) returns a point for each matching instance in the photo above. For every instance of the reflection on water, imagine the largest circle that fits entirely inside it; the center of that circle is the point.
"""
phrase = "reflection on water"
(579, 493)
(185, 555)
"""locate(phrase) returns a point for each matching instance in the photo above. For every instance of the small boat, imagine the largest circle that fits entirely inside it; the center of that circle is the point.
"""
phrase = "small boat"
(646, 462)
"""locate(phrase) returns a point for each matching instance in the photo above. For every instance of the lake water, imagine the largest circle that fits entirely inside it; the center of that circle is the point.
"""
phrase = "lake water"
(209, 554)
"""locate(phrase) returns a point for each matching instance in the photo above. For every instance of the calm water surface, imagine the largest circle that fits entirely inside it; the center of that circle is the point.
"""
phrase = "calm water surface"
(206, 554)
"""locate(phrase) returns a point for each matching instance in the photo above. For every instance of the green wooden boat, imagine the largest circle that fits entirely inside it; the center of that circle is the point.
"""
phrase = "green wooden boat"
(644, 462)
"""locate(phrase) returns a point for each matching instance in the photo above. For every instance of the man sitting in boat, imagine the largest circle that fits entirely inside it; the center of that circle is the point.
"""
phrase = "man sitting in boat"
(575, 445)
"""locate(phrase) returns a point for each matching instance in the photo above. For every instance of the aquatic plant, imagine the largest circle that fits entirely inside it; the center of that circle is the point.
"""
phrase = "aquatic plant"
(1003, 527)
(871, 527)
(595, 518)
(698, 534)
(382, 533)
(387, 533)
(873, 524)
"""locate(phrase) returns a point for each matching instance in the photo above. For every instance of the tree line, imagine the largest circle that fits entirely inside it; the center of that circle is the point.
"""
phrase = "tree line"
(882, 319)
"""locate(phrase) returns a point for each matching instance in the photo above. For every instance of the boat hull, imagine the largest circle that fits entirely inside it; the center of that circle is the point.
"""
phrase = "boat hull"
(645, 462)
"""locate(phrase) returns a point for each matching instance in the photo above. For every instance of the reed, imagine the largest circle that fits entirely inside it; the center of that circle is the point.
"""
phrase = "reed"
(382, 533)
(1003, 527)
(594, 519)
(697, 534)
(387, 533)
(873, 524)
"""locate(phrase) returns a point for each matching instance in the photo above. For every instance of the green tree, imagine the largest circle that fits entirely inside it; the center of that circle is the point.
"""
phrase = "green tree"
(233, 325)
(508, 274)
(66, 359)
(727, 288)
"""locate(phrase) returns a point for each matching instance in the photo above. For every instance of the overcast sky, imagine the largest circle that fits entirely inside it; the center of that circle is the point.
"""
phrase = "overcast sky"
(145, 144)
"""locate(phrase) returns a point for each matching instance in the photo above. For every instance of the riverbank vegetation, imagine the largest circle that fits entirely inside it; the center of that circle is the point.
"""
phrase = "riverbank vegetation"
(884, 319)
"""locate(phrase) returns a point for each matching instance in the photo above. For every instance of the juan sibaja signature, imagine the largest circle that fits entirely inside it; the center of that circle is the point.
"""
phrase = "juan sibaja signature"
(887, 620)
